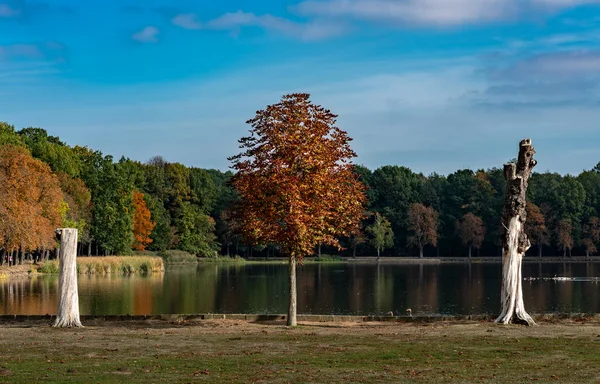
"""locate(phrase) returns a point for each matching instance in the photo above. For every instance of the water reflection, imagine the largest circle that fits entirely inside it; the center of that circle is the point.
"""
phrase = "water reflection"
(322, 289)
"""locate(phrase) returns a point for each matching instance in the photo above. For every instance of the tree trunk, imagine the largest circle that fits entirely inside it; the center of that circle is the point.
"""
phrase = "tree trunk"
(291, 320)
(514, 241)
(319, 250)
(377, 254)
(89, 249)
(540, 250)
(420, 252)
(354, 252)
(564, 252)
(587, 253)
(68, 297)
(470, 250)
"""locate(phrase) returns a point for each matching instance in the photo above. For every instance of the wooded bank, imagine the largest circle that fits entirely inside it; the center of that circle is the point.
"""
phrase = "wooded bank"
(121, 205)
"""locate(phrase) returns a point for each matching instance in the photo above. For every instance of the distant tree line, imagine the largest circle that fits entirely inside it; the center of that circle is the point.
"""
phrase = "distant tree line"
(125, 205)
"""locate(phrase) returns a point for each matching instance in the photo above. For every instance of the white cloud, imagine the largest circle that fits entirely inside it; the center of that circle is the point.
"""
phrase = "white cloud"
(311, 30)
(187, 21)
(565, 65)
(396, 114)
(146, 35)
(433, 12)
(7, 11)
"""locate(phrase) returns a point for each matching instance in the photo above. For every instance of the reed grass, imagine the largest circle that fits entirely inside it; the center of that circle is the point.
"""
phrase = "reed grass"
(110, 265)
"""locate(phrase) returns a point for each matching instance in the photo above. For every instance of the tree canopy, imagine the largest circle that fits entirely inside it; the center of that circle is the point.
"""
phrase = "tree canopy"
(295, 181)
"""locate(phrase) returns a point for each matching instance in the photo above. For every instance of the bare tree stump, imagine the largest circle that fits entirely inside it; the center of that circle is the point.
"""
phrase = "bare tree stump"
(514, 241)
(68, 297)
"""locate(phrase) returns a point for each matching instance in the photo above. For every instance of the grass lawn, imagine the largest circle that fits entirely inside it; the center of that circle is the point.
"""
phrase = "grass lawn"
(231, 351)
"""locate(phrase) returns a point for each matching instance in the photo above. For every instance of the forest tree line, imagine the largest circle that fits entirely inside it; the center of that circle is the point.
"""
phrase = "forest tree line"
(125, 205)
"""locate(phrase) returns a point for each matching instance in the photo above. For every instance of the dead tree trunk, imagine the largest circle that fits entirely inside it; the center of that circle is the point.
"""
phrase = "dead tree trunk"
(291, 320)
(514, 240)
(68, 297)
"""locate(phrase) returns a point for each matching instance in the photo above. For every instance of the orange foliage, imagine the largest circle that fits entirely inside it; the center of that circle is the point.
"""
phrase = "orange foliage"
(30, 198)
(564, 235)
(535, 227)
(296, 184)
(471, 230)
(142, 222)
(423, 224)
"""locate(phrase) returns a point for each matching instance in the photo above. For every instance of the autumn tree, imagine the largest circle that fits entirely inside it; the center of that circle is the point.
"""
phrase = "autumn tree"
(423, 226)
(591, 236)
(471, 231)
(31, 202)
(382, 235)
(142, 222)
(535, 227)
(564, 236)
(296, 183)
(357, 238)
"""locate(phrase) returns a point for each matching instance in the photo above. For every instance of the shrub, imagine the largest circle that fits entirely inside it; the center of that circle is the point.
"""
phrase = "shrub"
(223, 259)
(178, 257)
(328, 258)
(49, 267)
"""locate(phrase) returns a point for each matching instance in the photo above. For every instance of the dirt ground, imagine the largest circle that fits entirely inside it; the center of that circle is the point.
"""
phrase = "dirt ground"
(232, 351)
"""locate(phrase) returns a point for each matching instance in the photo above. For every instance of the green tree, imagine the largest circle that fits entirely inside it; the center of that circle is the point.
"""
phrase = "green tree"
(112, 202)
(9, 136)
(59, 156)
(162, 233)
(395, 189)
(204, 191)
(195, 231)
(382, 235)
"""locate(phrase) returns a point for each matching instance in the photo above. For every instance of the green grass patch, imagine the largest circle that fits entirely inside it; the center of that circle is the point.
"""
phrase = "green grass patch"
(109, 265)
(243, 352)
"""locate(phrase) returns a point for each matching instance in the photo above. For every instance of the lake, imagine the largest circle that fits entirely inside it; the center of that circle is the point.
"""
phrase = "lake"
(352, 289)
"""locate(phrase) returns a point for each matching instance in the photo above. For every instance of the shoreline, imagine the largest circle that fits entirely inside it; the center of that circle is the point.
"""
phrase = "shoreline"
(25, 270)
(551, 318)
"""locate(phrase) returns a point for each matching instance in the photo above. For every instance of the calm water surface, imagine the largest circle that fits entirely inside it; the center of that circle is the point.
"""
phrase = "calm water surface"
(357, 289)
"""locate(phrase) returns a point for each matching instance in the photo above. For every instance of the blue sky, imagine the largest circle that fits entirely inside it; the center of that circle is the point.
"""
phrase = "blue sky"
(436, 85)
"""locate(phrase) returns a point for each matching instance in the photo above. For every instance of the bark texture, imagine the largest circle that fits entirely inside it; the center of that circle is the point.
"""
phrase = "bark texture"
(291, 320)
(515, 242)
(68, 297)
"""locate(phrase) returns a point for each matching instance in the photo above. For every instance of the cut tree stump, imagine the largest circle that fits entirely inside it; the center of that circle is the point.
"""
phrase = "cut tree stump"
(514, 240)
(68, 297)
